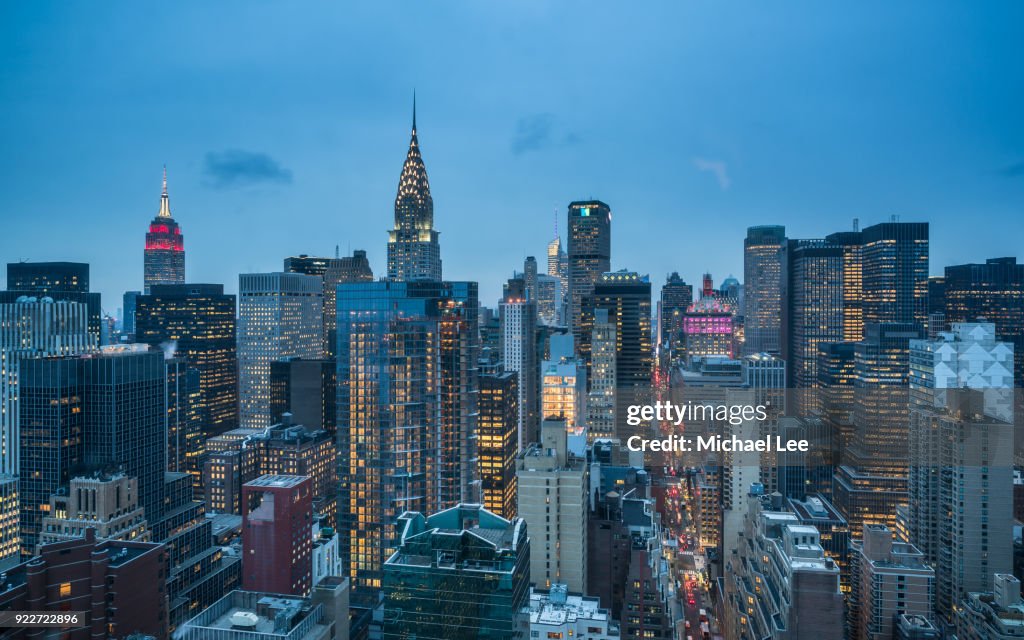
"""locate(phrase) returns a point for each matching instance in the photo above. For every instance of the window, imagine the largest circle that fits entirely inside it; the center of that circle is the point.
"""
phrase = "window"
(65, 589)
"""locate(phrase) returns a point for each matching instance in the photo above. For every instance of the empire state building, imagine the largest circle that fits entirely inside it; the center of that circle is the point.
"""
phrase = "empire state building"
(413, 249)
(164, 261)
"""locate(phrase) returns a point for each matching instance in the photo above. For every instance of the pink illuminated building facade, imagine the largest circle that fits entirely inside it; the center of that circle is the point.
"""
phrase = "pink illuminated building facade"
(708, 329)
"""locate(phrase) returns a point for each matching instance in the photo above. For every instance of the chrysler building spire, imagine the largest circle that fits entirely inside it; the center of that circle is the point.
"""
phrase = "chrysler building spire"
(413, 249)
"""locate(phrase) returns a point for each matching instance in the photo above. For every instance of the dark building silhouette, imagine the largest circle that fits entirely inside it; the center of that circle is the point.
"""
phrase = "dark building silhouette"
(184, 433)
(762, 277)
(873, 478)
(993, 291)
(676, 298)
(309, 265)
(61, 281)
(589, 254)
(626, 296)
(498, 428)
(812, 312)
(197, 322)
(164, 261)
(307, 389)
(354, 268)
(51, 432)
(125, 419)
(895, 272)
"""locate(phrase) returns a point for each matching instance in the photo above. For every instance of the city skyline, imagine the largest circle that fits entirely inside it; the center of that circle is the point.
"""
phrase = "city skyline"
(750, 145)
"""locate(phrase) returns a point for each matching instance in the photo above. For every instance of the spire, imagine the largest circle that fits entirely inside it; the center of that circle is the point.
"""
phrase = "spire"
(165, 202)
(413, 184)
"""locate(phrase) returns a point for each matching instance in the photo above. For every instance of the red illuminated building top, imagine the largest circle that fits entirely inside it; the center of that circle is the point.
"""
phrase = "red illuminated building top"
(164, 233)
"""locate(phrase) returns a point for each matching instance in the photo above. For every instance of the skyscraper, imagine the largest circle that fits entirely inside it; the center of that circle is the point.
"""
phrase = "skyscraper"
(881, 394)
(852, 245)
(126, 419)
(185, 437)
(499, 426)
(676, 298)
(58, 281)
(961, 458)
(461, 574)
(627, 297)
(589, 256)
(164, 261)
(762, 275)
(994, 291)
(414, 252)
(51, 428)
(530, 277)
(518, 318)
(835, 396)
(354, 268)
(601, 399)
(872, 482)
(33, 329)
(308, 390)
(419, 418)
(812, 311)
(95, 411)
(280, 315)
(558, 261)
(197, 322)
(550, 299)
(307, 264)
(128, 315)
(895, 272)
(553, 502)
(30, 328)
(277, 539)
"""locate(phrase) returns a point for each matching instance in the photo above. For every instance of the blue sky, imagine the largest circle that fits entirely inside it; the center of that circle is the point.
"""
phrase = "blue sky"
(284, 127)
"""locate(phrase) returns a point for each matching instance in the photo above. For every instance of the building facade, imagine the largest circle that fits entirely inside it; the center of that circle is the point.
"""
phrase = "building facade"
(499, 417)
(280, 315)
(277, 543)
(589, 255)
(762, 274)
(420, 417)
(961, 459)
(462, 573)
(552, 499)
(197, 322)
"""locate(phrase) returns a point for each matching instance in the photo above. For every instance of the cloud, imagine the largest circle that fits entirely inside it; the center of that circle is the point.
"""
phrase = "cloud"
(540, 131)
(716, 167)
(1015, 170)
(237, 168)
